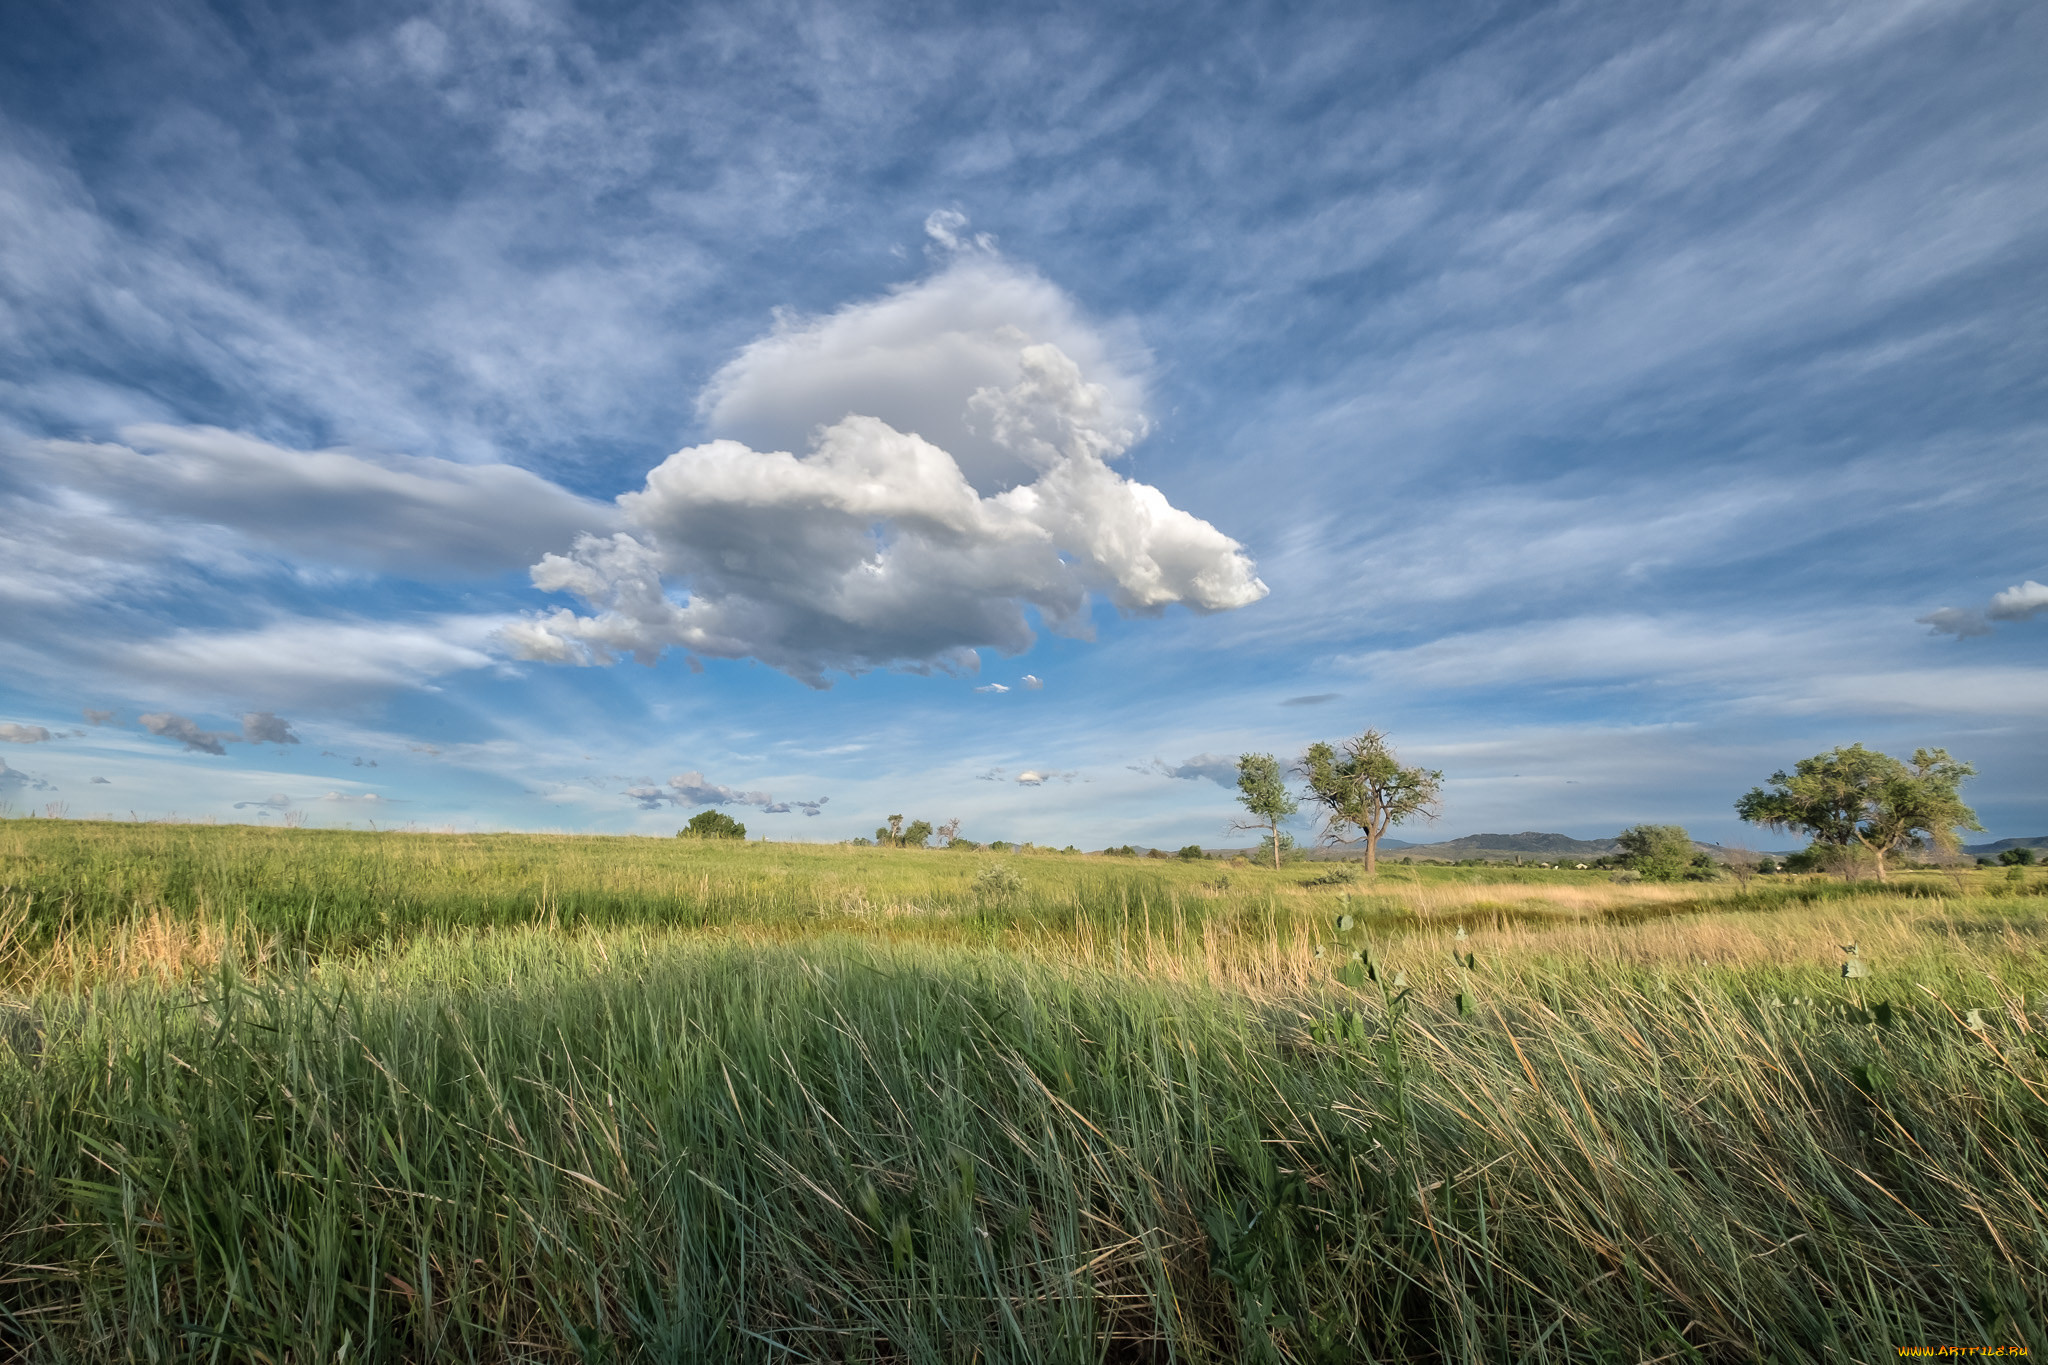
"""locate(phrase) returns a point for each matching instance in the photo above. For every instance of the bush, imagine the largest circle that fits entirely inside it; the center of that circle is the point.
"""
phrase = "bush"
(997, 880)
(1657, 853)
(712, 824)
(2017, 857)
(1193, 853)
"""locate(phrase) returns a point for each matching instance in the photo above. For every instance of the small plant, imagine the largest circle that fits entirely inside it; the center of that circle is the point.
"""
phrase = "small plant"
(996, 881)
(1339, 875)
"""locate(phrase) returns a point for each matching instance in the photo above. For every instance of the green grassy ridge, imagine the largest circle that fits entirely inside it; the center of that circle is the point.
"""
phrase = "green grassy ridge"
(537, 1145)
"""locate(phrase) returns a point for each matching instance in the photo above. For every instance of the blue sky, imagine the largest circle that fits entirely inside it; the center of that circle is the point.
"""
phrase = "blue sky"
(529, 415)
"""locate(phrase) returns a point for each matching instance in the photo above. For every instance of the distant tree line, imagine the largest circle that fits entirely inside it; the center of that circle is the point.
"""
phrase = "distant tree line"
(1858, 807)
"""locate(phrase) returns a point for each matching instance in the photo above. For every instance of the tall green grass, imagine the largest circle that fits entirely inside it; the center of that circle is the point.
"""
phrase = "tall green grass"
(1120, 1113)
(537, 1145)
(85, 888)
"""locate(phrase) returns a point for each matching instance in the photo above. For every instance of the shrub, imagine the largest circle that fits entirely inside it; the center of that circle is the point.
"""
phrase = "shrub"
(1657, 853)
(1193, 853)
(997, 880)
(712, 824)
(2017, 857)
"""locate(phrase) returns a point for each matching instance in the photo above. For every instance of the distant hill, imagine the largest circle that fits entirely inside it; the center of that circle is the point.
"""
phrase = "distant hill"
(1992, 850)
(1528, 845)
(1532, 846)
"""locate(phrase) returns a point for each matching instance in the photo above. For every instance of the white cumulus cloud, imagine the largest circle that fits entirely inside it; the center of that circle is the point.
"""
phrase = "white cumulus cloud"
(2019, 602)
(956, 471)
(14, 733)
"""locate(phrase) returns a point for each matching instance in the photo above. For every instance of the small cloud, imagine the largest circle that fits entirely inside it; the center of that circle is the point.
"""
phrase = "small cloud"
(15, 780)
(992, 775)
(276, 801)
(186, 733)
(103, 782)
(1032, 682)
(426, 749)
(2020, 602)
(361, 762)
(694, 789)
(992, 687)
(262, 727)
(22, 734)
(360, 799)
(947, 229)
(96, 718)
(1218, 768)
(1313, 699)
(1032, 778)
(1957, 621)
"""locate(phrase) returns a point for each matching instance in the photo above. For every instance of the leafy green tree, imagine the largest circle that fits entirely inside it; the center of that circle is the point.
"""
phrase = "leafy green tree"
(1657, 853)
(712, 824)
(896, 834)
(1860, 797)
(1362, 785)
(2017, 857)
(1263, 793)
(1193, 853)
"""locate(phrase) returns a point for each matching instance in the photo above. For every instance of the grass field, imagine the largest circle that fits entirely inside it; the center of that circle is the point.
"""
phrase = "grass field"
(314, 1095)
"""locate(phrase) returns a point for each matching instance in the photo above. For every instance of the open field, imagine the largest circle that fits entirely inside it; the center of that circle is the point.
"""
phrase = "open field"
(299, 1095)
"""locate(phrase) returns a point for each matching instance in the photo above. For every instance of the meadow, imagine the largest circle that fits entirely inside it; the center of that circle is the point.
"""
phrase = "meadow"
(295, 1095)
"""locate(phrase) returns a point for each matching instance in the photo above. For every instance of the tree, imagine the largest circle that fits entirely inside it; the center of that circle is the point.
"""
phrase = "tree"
(891, 834)
(1193, 853)
(712, 824)
(1363, 785)
(1859, 797)
(1657, 853)
(2017, 857)
(1264, 795)
(1742, 863)
(916, 834)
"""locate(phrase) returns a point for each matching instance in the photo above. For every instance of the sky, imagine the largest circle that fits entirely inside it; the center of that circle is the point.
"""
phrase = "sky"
(529, 415)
